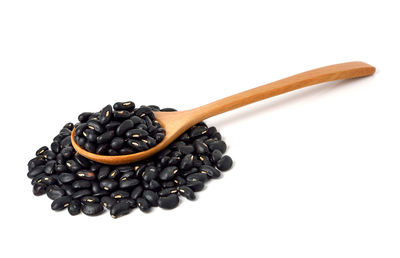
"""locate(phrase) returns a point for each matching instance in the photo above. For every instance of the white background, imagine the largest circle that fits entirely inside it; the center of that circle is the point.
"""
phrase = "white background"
(316, 171)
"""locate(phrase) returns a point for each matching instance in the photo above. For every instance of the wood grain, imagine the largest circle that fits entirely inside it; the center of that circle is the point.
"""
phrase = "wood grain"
(176, 123)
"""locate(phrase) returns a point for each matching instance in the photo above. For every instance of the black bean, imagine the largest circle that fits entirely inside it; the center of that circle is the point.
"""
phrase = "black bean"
(218, 145)
(187, 192)
(49, 155)
(216, 155)
(83, 117)
(119, 209)
(114, 173)
(137, 192)
(169, 202)
(60, 203)
(195, 185)
(126, 151)
(39, 189)
(104, 171)
(54, 192)
(69, 190)
(105, 137)
(197, 131)
(79, 194)
(225, 163)
(92, 209)
(128, 183)
(136, 133)
(186, 149)
(67, 152)
(151, 197)
(124, 127)
(82, 161)
(36, 171)
(112, 125)
(90, 135)
(187, 162)
(41, 150)
(143, 111)
(138, 145)
(89, 199)
(86, 174)
(154, 185)
(127, 105)
(168, 191)
(179, 180)
(197, 177)
(210, 171)
(80, 128)
(200, 147)
(150, 173)
(105, 115)
(66, 142)
(81, 184)
(72, 165)
(96, 126)
(55, 147)
(117, 143)
(119, 194)
(66, 177)
(122, 114)
(143, 204)
(168, 173)
(108, 184)
(74, 207)
(107, 201)
(69, 126)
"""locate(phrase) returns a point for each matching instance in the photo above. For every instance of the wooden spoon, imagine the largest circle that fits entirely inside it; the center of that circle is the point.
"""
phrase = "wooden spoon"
(176, 123)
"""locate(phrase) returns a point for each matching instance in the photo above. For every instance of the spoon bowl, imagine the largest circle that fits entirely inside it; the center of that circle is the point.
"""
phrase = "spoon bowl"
(176, 123)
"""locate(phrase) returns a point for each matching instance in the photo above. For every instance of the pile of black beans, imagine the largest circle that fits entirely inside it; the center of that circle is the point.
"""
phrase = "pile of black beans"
(81, 185)
(119, 131)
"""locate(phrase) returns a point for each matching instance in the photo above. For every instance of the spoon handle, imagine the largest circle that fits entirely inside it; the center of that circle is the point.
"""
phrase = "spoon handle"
(324, 74)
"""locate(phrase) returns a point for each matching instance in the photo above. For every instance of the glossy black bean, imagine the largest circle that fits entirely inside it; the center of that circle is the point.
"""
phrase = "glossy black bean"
(143, 204)
(65, 132)
(159, 137)
(186, 149)
(113, 125)
(86, 174)
(104, 171)
(196, 186)
(193, 170)
(105, 137)
(69, 190)
(121, 115)
(137, 145)
(107, 202)
(54, 192)
(137, 192)
(95, 125)
(151, 197)
(119, 194)
(114, 173)
(96, 187)
(186, 162)
(204, 160)
(168, 173)
(39, 189)
(200, 147)
(150, 173)
(154, 185)
(187, 192)
(197, 177)
(61, 203)
(143, 111)
(49, 155)
(72, 165)
(90, 135)
(124, 127)
(127, 175)
(105, 115)
(117, 143)
(168, 202)
(79, 194)
(82, 161)
(216, 155)
(55, 147)
(66, 178)
(127, 105)
(225, 163)
(210, 171)
(108, 184)
(41, 150)
(67, 152)
(83, 117)
(126, 151)
(37, 161)
(168, 191)
(197, 131)
(167, 184)
(81, 184)
(136, 133)
(74, 207)
(128, 183)
(92, 209)
(102, 149)
(66, 142)
(89, 199)
(119, 209)
(218, 145)
(69, 126)
(211, 131)
(36, 171)
(179, 180)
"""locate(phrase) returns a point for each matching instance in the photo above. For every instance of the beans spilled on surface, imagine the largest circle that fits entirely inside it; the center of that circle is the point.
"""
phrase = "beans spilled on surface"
(78, 184)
